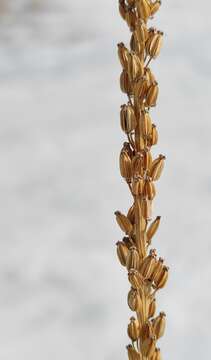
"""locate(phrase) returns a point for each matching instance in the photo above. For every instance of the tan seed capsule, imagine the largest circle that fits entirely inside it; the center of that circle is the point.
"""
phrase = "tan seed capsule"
(157, 270)
(122, 252)
(148, 346)
(150, 190)
(137, 165)
(146, 331)
(148, 265)
(132, 261)
(147, 160)
(146, 209)
(144, 9)
(161, 282)
(122, 9)
(152, 229)
(131, 214)
(137, 186)
(141, 87)
(125, 165)
(135, 279)
(146, 124)
(130, 17)
(133, 329)
(152, 95)
(127, 118)
(159, 325)
(149, 76)
(154, 135)
(141, 31)
(157, 168)
(132, 353)
(134, 300)
(123, 54)
(156, 45)
(151, 34)
(155, 7)
(152, 308)
(125, 83)
(135, 66)
(124, 223)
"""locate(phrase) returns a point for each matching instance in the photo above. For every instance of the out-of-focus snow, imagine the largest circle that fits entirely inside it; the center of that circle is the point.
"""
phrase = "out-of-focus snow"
(63, 293)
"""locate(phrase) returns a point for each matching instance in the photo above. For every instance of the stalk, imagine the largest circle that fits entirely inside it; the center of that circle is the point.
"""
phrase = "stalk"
(146, 272)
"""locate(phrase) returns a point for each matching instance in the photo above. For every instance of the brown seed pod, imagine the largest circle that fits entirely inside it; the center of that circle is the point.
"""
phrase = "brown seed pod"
(152, 95)
(149, 76)
(132, 353)
(148, 346)
(155, 7)
(122, 252)
(150, 190)
(141, 87)
(146, 209)
(146, 331)
(154, 135)
(137, 165)
(125, 165)
(130, 18)
(122, 9)
(131, 2)
(148, 265)
(147, 163)
(131, 214)
(157, 270)
(151, 34)
(157, 168)
(156, 45)
(127, 118)
(124, 223)
(135, 66)
(133, 329)
(137, 186)
(125, 83)
(136, 46)
(152, 229)
(141, 31)
(132, 260)
(144, 9)
(135, 279)
(152, 308)
(146, 124)
(159, 325)
(123, 54)
(134, 300)
(127, 241)
(162, 280)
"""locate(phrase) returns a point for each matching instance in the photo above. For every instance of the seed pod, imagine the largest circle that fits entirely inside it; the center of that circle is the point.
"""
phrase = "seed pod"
(152, 308)
(154, 135)
(133, 329)
(156, 355)
(135, 279)
(131, 2)
(134, 300)
(152, 95)
(146, 331)
(137, 165)
(122, 252)
(151, 34)
(157, 168)
(132, 260)
(157, 270)
(148, 265)
(123, 54)
(148, 346)
(152, 229)
(125, 165)
(141, 88)
(146, 209)
(132, 353)
(126, 240)
(136, 46)
(130, 17)
(124, 223)
(147, 163)
(146, 124)
(155, 46)
(159, 324)
(125, 83)
(135, 66)
(149, 76)
(137, 186)
(141, 31)
(155, 7)
(122, 9)
(144, 9)
(150, 190)
(127, 118)
(162, 280)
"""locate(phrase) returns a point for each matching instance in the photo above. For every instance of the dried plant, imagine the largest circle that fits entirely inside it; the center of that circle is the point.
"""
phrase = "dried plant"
(146, 273)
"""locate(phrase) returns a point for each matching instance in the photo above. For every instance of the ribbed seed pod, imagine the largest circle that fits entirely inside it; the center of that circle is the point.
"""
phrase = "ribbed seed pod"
(149, 76)
(134, 300)
(146, 331)
(147, 160)
(158, 270)
(127, 118)
(148, 265)
(150, 190)
(156, 45)
(135, 279)
(141, 87)
(131, 214)
(152, 229)
(125, 83)
(123, 54)
(137, 186)
(122, 9)
(146, 209)
(124, 223)
(132, 260)
(132, 353)
(152, 308)
(125, 165)
(122, 252)
(135, 66)
(156, 355)
(141, 31)
(144, 9)
(137, 165)
(152, 95)
(130, 17)
(136, 46)
(159, 325)
(154, 135)
(146, 124)
(157, 168)
(133, 329)
(155, 7)
(148, 346)
(151, 33)
(162, 280)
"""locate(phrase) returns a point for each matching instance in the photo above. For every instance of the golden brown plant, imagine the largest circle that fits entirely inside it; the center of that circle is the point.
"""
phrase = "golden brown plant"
(146, 273)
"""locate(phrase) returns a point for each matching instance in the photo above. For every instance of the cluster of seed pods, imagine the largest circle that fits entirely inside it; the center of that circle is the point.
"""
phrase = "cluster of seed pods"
(147, 273)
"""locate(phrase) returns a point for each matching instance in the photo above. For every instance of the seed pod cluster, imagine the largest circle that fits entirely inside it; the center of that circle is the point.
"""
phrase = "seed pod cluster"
(147, 273)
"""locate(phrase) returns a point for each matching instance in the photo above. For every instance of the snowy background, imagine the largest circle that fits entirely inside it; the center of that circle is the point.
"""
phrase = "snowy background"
(62, 291)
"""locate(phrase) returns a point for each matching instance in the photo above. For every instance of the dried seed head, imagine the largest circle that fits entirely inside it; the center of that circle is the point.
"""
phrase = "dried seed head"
(135, 279)
(123, 54)
(151, 34)
(146, 331)
(152, 229)
(155, 7)
(162, 280)
(137, 185)
(132, 260)
(124, 223)
(132, 353)
(156, 45)
(148, 265)
(159, 325)
(157, 270)
(125, 165)
(122, 252)
(130, 17)
(144, 9)
(149, 76)
(125, 83)
(148, 346)
(131, 214)
(152, 308)
(127, 118)
(152, 95)
(141, 31)
(157, 168)
(134, 300)
(133, 329)
(135, 66)
(137, 165)
(141, 87)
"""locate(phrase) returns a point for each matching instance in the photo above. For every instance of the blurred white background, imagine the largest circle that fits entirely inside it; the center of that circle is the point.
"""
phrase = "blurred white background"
(62, 291)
